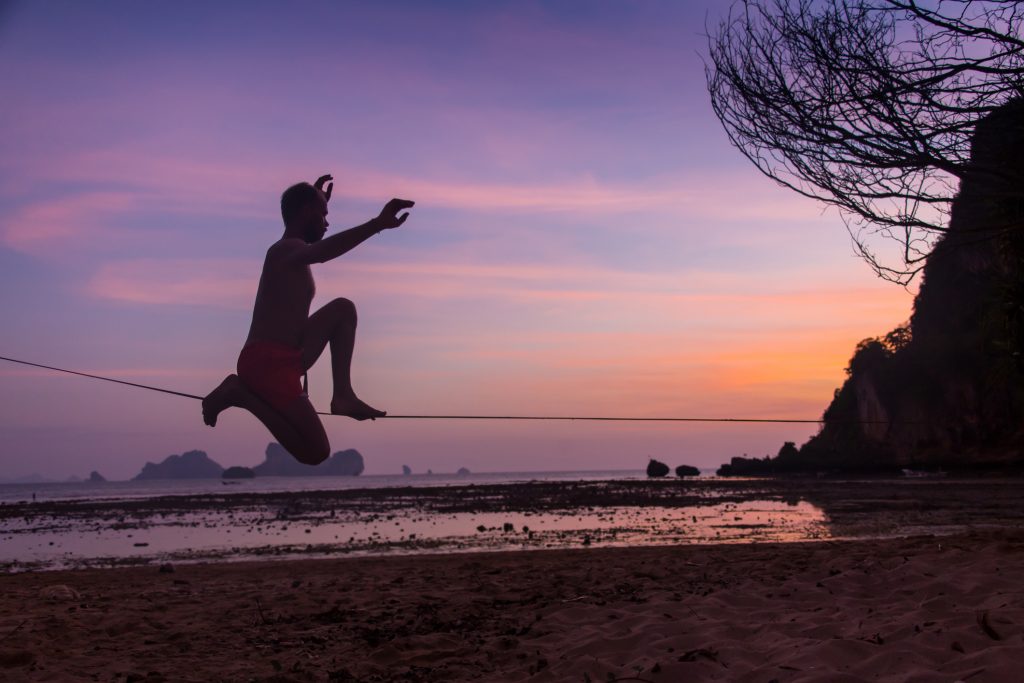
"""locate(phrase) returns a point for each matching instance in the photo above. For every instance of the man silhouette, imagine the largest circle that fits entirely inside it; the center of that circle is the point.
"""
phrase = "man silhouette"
(285, 340)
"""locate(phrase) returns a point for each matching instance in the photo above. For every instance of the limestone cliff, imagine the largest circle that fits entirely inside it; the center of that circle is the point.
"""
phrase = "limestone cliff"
(946, 390)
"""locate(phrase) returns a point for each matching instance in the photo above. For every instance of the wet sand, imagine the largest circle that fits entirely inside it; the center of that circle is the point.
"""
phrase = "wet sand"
(241, 525)
(916, 609)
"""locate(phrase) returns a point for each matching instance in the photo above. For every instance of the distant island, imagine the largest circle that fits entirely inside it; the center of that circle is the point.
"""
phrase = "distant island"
(189, 465)
(280, 463)
(945, 391)
(277, 463)
(237, 472)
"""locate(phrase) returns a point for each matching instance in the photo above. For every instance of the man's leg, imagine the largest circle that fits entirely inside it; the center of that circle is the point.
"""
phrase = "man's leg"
(335, 324)
(297, 428)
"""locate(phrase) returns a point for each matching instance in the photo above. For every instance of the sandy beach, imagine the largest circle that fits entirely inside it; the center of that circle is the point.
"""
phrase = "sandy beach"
(919, 609)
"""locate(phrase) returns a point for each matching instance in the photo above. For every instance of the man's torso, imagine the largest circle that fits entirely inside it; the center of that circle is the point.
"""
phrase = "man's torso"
(283, 299)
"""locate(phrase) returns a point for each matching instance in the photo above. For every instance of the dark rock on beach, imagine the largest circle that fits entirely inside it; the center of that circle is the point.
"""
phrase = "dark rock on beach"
(687, 471)
(790, 462)
(750, 467)
(280, 463)
(190, 465)
(656, 468)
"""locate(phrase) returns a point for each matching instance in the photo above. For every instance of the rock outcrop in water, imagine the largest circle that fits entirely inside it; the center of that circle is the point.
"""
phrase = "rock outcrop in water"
(945, 390)
(280, 463)
(190, 465)
(96, 478)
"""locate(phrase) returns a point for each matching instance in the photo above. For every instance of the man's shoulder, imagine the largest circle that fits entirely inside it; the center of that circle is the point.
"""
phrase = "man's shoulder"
(287, 243)
(284, 246)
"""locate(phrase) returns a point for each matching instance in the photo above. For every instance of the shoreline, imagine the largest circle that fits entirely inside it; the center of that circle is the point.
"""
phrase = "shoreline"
(923, 608)
(494, 517)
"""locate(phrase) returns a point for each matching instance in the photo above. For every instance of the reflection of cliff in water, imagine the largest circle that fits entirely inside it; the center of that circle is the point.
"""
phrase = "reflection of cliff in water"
(903, 507)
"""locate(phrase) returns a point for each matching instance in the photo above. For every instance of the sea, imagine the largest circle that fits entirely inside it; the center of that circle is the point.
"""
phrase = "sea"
(125, 490)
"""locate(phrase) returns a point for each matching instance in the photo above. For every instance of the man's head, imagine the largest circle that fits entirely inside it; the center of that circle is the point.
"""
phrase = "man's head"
(304, 210)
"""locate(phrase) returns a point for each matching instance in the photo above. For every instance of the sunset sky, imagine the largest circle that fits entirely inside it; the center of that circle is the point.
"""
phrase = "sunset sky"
(585, 240)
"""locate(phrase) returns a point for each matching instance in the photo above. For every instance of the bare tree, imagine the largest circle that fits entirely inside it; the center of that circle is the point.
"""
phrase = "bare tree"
(870, 106)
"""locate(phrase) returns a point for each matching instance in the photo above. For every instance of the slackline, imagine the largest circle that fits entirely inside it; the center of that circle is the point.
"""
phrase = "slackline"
(464, 417)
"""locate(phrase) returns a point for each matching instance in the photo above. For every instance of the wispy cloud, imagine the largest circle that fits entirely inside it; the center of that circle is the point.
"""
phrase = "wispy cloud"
(222, 283)
(48, 223)
(725, 348)
(111, 372)
(789, 376)
(700, 196)
(153, 184)
(231, 283)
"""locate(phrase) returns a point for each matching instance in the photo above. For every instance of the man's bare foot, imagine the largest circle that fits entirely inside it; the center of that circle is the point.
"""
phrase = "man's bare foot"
(351, 406)
(220, 399)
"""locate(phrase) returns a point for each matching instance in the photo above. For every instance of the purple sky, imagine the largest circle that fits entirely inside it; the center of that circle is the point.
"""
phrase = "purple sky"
(585, 240)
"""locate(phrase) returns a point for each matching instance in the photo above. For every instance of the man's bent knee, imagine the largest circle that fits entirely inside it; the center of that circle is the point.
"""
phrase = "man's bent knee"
(344, 308)
(312, 456)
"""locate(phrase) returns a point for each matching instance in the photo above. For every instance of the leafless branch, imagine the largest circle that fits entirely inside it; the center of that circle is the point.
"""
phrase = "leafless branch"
(869, 106)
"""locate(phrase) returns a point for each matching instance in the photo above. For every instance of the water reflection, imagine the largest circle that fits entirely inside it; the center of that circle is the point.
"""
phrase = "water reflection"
(43, 541)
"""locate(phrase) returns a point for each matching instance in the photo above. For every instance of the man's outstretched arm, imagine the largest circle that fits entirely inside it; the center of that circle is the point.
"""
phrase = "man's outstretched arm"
(334, 246)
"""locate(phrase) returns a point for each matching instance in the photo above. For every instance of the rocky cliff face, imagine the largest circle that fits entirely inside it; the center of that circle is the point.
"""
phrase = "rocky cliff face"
(947, 389)
(951, 389)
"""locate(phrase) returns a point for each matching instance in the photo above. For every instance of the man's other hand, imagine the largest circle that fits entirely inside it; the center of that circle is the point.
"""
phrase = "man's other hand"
(319, 184)
(389, 217)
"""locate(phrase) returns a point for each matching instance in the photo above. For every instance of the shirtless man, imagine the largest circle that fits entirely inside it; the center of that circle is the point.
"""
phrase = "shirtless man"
(285, 340)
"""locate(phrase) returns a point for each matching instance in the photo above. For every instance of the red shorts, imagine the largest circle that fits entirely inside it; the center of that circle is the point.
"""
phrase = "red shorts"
(273, 371)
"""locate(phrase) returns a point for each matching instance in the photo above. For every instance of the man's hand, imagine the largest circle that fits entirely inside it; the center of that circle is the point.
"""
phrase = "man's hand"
(319, 184)
(389, 217)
